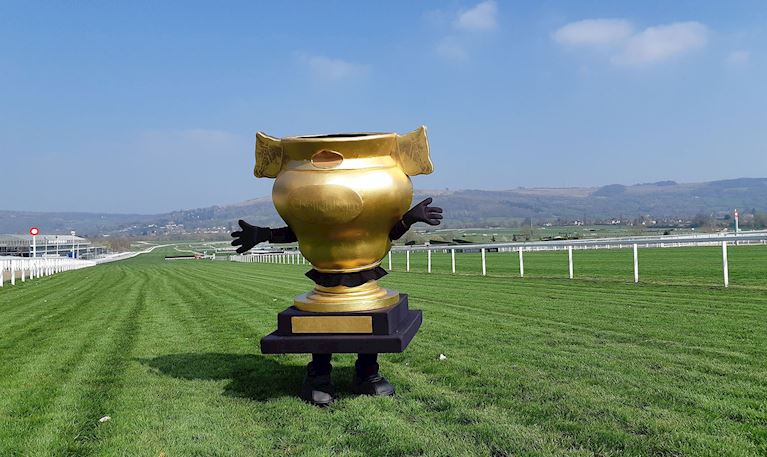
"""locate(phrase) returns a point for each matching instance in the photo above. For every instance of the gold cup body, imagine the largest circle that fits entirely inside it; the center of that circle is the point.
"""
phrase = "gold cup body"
(341, 195)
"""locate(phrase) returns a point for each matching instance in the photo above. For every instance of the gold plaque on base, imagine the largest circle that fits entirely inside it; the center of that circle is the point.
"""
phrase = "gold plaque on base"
(332, 324)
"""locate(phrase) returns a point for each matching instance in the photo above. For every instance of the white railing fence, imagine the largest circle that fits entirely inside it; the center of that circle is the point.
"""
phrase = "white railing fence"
(13, 269)
(286, 257)
(756, 238)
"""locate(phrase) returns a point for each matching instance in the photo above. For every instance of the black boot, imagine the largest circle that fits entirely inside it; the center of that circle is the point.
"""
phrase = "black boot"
(318, 388)
(367, 380)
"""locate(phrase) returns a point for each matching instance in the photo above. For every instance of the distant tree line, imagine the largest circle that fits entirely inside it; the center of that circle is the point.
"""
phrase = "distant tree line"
(748, 220)
(119, 244)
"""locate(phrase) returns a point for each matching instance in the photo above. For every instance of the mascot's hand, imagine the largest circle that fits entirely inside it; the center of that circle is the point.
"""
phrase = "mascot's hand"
(249, 236)
(422, 212)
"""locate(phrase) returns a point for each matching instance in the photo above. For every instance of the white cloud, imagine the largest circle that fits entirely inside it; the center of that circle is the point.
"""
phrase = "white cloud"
(629, 48)
(482, 16)
(739, 57)
(468, 29)
(451, 48)
(329, 69)
(594, 32)
(662, 42)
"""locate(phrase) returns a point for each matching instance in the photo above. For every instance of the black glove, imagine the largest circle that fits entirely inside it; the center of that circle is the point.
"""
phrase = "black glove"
(419, 213)
(423, 213)
(249, 236)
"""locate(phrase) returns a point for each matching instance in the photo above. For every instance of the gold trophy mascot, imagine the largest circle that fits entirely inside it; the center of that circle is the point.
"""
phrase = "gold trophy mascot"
(344, 198)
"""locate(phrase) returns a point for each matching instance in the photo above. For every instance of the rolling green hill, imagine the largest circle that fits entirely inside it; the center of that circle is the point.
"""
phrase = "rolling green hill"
(464, 208)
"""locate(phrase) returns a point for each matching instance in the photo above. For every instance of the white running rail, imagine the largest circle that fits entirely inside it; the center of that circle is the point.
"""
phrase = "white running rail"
(14, 269)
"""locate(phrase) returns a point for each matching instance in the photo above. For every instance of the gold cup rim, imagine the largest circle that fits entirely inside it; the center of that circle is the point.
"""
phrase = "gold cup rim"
(336, 137)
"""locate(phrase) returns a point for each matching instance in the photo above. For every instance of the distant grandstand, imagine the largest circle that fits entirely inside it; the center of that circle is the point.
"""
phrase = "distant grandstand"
(49, 246)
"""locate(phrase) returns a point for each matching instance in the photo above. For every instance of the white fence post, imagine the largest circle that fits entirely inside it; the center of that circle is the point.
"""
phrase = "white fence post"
(452, 259)
(428, 261)
(636, 264)
(724, 265)
(407, 257)
(389, 260)
(521, 264)
(570, 260)
(484, 268)
(13, 273)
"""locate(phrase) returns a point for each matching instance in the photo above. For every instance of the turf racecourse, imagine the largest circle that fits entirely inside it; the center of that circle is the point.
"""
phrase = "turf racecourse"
(538, 366)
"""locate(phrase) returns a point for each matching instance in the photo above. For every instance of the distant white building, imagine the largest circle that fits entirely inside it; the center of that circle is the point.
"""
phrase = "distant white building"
(49, 246)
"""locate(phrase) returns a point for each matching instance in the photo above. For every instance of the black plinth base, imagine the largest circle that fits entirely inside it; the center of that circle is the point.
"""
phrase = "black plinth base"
(389, 330)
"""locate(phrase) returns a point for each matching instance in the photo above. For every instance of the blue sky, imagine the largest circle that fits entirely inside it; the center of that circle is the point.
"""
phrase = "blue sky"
(149, 107)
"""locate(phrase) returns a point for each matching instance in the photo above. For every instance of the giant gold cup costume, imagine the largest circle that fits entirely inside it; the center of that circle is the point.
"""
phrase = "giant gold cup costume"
(344, 198)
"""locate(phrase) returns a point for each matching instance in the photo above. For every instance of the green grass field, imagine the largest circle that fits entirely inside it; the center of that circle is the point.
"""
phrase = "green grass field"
(673, 266)
(597, 366)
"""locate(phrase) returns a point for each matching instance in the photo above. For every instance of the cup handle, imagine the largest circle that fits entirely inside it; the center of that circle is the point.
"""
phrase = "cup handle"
(413, 152)
(268, 156)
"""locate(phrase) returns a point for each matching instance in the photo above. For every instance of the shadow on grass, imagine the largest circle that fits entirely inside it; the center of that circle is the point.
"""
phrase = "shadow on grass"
(252, 376)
